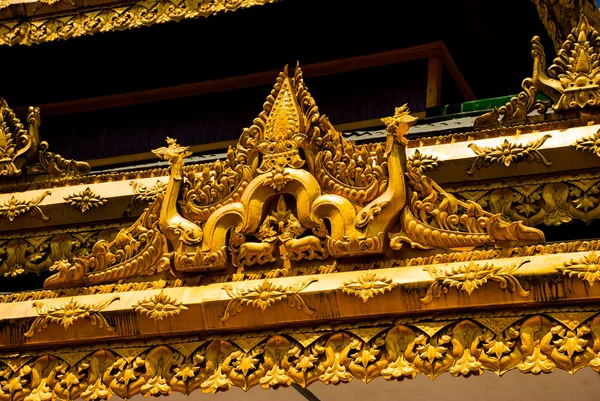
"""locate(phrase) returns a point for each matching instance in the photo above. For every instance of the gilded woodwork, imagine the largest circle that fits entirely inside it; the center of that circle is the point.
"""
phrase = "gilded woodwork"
(550, 201)
(422, 161)
(85, 199)
(570, 83)
(345, 198)
(135, 251)
(114, 17)
(586, 268)
(561, 16)
(68, 313)
(264, 295)
(143, 196)
(35, 253)
(460, 346)
(159, 307)
(14, 207)
(589, 144)
(471, 277)
(17, 144)
(19, 147)
(508, 153)
(368, 285)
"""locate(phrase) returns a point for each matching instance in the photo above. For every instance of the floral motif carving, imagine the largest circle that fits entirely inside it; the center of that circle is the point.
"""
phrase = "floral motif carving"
(159, 306)
(368, 285)
(14, 208)
(589, 144)
(532, 343)
(507, 153)
(264, 295)
(472, 276)
(68, 313)
(85, 200)
(422, 161)
(586, 268)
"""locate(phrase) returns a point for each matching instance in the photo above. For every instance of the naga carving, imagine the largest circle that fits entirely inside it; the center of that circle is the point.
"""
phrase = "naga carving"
(572, 82)
(292, 189)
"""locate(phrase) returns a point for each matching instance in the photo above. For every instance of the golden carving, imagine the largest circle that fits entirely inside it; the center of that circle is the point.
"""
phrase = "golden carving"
(159, 307)
(472, 276)
(550, 200)
(36, 252)
(68, 313)
(589, 144)
(136, 251)
(14, 208)
(571, 82)
(423, 162)
(561, 16)
(507, 153)
(17, 144)
(368, 285)
(145, 195)
(55, 165)
(112, 18)
(347, 195)
(85, 200)
(264, 295)
(586, 268)
(530, 344)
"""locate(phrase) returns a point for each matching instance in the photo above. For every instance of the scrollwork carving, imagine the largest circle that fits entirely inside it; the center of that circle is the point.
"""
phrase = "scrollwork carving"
(508, 153)
(368, 285)
(265, 295)
(85, 200)
(68, 313)
(586, 268)
(14, 208)
(472, 276)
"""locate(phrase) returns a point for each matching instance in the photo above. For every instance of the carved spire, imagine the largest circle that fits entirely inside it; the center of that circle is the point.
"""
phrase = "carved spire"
(572, 82)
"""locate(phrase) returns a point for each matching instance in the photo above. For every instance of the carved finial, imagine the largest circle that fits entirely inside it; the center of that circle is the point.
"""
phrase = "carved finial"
(173, 151)
(399, 123)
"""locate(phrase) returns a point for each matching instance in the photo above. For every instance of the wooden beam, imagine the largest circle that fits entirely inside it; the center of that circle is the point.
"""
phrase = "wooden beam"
(434, 82)
(425, 51)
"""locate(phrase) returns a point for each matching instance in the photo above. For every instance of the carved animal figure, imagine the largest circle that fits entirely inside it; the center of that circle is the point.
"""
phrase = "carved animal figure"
(255, 253)
(308, 247)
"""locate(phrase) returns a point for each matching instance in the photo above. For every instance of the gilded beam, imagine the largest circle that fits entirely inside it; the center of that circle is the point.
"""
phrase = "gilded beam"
(115, 16)
(530, 341)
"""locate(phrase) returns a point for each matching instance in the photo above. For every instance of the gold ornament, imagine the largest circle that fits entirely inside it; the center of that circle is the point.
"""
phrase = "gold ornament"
(472, 276)
(85, 200)
(368, 285)
(159, 306)
(69, 313)
(586, 268)
(14, 208)
(507, 153)
(264, 295)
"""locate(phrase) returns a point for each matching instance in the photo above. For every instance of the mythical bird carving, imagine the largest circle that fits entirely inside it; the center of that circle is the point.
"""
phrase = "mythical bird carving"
(293, 189)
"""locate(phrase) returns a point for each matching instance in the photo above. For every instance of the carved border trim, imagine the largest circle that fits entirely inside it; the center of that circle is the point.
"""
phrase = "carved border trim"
(115, 18)
(530, 342)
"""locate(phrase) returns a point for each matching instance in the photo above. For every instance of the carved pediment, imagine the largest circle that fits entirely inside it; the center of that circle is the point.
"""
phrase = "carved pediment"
(293, 190)
(572, 82)
(21, 150)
